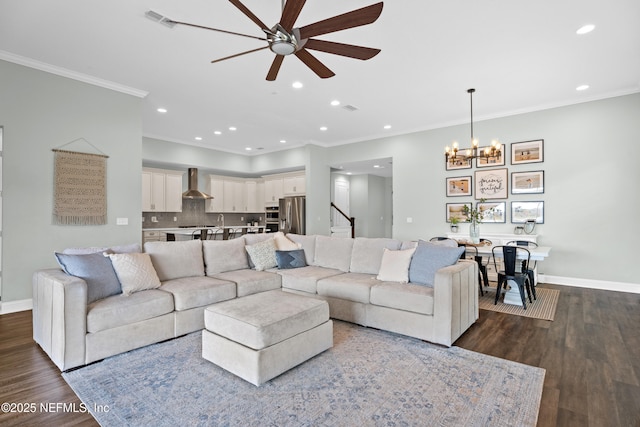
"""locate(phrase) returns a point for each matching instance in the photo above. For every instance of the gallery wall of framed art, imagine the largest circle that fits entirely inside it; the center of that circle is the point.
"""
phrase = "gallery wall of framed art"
(515, 192)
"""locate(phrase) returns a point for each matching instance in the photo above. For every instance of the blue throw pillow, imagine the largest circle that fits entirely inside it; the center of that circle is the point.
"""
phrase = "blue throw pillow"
(96, 270)
(429, 258)
(291, 259)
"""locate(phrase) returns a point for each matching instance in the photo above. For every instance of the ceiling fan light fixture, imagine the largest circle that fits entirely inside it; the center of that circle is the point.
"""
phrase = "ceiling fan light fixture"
(281, 42)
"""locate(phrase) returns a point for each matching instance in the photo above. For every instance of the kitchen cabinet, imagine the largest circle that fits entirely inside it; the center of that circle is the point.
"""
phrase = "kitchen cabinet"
(234, 196)
(251, 189)
(153, 236)
(294, 185)
(273, 191)
(215, 188)
(161, 190)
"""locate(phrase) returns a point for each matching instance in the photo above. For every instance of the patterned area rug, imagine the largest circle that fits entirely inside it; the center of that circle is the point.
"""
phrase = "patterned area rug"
(369, 378)
(543, 307)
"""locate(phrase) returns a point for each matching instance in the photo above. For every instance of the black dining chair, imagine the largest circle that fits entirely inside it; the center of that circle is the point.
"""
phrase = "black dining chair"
(509, 256)
(482, 269)
(530, 269)
(447, 241)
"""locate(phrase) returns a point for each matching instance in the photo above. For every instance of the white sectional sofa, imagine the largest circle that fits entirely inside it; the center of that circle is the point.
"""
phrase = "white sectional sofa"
(166, 297)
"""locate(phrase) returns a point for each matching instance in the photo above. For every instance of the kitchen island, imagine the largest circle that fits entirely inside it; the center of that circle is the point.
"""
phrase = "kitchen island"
(196, 232)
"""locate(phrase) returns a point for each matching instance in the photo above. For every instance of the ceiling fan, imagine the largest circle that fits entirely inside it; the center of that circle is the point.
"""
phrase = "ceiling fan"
(283, 39)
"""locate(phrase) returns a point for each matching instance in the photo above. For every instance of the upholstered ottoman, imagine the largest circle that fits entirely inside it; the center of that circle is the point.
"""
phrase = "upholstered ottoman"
(260, 336)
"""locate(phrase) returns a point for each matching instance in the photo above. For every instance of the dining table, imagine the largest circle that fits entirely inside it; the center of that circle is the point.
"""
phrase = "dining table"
(540, 253)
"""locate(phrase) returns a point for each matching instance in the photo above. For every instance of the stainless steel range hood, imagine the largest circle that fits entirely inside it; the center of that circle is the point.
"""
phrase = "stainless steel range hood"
(193, 192)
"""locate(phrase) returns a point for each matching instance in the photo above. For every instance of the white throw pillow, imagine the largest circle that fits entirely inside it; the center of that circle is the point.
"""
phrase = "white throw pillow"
(283, 243)
(263, 254)
(395, 265)
(135, 272)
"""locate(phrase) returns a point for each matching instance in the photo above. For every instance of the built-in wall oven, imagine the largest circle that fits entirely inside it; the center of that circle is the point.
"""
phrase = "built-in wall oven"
(272, 219)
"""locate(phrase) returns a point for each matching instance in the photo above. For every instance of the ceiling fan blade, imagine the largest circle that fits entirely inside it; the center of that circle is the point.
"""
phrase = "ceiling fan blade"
(292, 9)
(316, 66)
(238, 54)
(349, 50)
(218, 30)
(275, 67)
(355, 18)
(249, 14)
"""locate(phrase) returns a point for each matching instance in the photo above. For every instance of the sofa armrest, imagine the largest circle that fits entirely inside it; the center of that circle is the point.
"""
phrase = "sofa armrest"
(60, 316)
(455, 300)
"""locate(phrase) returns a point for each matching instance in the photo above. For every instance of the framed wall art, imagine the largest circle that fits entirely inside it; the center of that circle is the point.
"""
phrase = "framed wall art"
(527, 152)
(522, 212)
(487, 162)
(492, 211)
(459, 186)
(527, 182)
(491, 184)
(458, 164)
(456, 210)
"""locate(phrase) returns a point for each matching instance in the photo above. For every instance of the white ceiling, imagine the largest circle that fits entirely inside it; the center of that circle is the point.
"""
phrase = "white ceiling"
(519, 55)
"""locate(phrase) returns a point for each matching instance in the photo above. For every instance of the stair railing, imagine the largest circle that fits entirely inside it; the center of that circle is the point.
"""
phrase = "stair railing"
(352, 220)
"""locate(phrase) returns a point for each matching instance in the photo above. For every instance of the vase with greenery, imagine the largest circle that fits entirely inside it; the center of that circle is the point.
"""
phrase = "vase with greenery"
(474, 216)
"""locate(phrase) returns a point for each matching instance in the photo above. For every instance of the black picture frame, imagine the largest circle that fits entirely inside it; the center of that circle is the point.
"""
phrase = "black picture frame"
(530, 182)
(522, 211)
(527, 152)
(459, 186)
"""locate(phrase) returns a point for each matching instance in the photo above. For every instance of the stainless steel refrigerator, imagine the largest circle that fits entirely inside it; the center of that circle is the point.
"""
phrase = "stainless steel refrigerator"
(292, 215)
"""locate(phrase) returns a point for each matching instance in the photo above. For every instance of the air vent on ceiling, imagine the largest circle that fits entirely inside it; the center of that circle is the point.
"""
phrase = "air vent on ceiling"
(156, 17)
(350, 107)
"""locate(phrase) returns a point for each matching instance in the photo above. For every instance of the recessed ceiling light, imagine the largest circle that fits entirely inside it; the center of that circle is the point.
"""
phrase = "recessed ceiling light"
(248, 148)
(323, 128)
(198, 138)
(161, 110)
(585, 29)
(348, 173)
(582, 87)
(296, 85)
(283, 141)
(232, 128)
(378, 167)
(335, 103)
(217, 132)
(387, 126)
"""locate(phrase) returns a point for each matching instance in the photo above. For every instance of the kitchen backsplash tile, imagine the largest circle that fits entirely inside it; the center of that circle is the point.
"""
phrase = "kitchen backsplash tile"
(193, 214)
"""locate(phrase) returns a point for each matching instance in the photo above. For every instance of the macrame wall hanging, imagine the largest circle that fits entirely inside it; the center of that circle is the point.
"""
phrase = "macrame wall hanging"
(80, 187)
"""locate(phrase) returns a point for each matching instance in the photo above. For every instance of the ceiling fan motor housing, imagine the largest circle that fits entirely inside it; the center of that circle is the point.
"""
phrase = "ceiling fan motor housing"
(281, 42)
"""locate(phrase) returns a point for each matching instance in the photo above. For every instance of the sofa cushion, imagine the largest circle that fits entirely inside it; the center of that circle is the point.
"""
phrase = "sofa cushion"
(120, 310)
(251, 281)
(291, 259)
(307, 243)
(94, 269)
(367, 253)
(191, 292)
(173, 260)
(135, 272)
(253, 238)
(283, 243)
(333, 252)
(349, 286)
(395, 265)
(263, 254)
(429, 258)
(408, 297)
(306, 278)
(224, 255)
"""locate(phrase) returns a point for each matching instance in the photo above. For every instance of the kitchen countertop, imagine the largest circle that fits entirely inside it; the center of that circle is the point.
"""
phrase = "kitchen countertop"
(191, 229)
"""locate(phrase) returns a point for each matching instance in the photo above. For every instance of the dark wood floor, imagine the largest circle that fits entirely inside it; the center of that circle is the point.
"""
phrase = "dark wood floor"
(591, 353)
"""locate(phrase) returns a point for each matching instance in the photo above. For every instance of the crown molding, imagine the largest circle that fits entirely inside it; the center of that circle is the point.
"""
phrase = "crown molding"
(64, 72)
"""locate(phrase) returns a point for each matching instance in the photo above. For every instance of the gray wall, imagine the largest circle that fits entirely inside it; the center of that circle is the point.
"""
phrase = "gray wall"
(41, 111)
(591, 167)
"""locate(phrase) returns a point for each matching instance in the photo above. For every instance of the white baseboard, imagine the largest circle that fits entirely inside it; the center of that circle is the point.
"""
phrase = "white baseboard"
(633, 288)
(15, 306)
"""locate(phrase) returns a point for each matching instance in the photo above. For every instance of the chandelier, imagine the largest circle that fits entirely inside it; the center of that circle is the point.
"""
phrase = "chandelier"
(457, 156)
